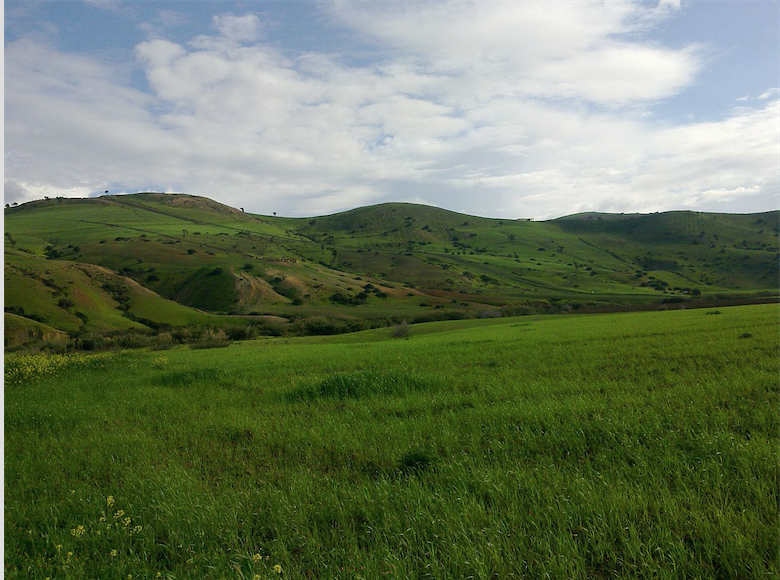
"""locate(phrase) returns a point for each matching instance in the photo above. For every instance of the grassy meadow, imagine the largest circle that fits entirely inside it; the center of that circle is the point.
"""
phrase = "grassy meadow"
(641, 445)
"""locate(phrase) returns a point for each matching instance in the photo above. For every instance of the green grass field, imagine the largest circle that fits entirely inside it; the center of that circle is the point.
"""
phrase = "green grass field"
(641, 445)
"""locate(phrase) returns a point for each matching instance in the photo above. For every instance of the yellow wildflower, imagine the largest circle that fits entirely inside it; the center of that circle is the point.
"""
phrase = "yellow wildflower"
(110, 500)
(79, 531)
(257, 557)
(119, 514)
(127, 522)
(277, 568)
(113, 553)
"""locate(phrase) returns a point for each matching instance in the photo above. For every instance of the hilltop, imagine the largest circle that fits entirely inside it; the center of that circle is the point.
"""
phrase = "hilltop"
(152, 260)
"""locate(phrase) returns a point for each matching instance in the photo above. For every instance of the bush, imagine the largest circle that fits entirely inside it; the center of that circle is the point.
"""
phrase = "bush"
(211, 338)
(490, 314)
(134, 340)
(92, 342)
(403, 330)
(65, 303)
(340, 297)
(442, 315)
(164, 341)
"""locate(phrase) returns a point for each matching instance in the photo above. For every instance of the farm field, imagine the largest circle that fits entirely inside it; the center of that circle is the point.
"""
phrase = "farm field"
(633, 445)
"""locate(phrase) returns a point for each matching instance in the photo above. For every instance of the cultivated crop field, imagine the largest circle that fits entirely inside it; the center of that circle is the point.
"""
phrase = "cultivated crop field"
(640, 445)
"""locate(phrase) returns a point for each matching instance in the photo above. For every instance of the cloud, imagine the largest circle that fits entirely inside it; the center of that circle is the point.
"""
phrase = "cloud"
(554, 50)
(163, 21)
(15, 192)
(518, 109)
(238, 28)
(769, 94)
(619, 165)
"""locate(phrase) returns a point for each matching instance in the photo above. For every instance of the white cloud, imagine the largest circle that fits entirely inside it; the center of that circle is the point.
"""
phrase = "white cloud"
(770, 94)
(523, 109)
(554, 50)
(238, 28)
(15, 192)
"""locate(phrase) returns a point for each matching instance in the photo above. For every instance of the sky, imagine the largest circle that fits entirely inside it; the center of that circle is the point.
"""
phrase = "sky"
(504, 109)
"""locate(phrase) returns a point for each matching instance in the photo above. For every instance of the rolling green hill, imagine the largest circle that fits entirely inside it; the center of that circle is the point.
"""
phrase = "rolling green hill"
(127, 262)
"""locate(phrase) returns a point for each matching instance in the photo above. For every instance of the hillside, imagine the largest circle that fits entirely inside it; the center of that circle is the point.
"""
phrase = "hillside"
(121, 262)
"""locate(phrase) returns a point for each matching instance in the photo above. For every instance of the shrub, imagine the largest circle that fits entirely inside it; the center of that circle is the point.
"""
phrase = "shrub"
(340, 297)
(403, 330)
(91, 342)
(490, 314)
(164, 341)
(319, 325)
(211, 338)
(673, 300)
(65, 303)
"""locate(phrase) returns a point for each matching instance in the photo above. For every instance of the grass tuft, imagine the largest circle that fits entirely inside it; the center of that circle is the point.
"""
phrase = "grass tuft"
(416, 461)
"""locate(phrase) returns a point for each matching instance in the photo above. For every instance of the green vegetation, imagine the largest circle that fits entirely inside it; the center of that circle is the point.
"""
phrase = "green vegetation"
(155, 262)
(640, 445)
